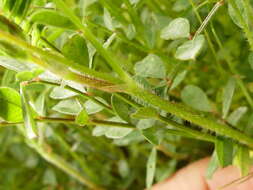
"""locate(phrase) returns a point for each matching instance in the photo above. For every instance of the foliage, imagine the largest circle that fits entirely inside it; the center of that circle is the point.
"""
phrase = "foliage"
(104, 94)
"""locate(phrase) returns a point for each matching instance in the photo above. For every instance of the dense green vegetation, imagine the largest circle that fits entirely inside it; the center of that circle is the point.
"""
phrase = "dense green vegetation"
(119, 94)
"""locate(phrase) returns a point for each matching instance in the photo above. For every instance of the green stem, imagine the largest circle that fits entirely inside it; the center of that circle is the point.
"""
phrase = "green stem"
(72, 121)
(192, 117)
(209, 41)
(109, 57)
(85, 95)
(183, 129)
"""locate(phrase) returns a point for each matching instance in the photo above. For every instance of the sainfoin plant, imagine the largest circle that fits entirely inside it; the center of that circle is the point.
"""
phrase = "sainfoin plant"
(106, 94)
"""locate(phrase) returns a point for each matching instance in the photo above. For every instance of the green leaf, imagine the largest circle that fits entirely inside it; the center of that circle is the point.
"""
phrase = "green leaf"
(91, 107)
(233, 15)
(178, 79)
(121, 108)
(242, 159)
(112, 132)
(28, 75)
(52, 18)
(145, 113)
(212, 166)
(151, 66)
(29, 122)
(61, 93)
(10, 105)
(227, 96)
(108, 20)
(13, 64)
(196, 98)
(236, 115)
(82, 117)
(76, 50)
(152, 135)
(151, 167)
(145, 123)
(177, 28)
(224, 151)
(69, 107)
(190, 49)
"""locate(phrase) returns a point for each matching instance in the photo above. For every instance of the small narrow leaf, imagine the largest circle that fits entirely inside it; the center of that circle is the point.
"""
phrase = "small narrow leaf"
(190, 49)
(236, 115)
(151, 167)
(145, 123)
(194, 97)
(152, 135)
(76, 50)
(177, 28)
(51, 18)
(224, 151)
(69, 107)
(29, 122)
(108, 20)
(178, 79)
(227, 96)
(151, 66)
(212, 166)
(112, 132)
(11, 110)
(242, 159)
(121, 108)
(91, 107)
(82, 117)
(61, 93)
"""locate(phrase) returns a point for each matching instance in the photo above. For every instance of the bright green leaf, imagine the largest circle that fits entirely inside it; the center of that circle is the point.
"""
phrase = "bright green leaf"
(151, 66)
(224, 151)
(227, 96)
(29, 122)
(69, 107)
(242, 159)
(190, 49)
(196, 98)
(121, 108)
(10, 105)
(250, 59)
(151, 167)
(178, 79)
(236, 115)
(177, 28)
(82, 117)
(242, 10)
(76, 50)
(212, 166)
(51, 18)
(61, 93)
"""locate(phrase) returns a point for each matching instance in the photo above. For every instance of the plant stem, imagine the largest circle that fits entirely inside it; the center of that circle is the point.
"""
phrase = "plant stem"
(220, 69)
(192, 117)
(72, 121)
(62, 63)
(183, 129)
(89, 36)
(85, 95)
